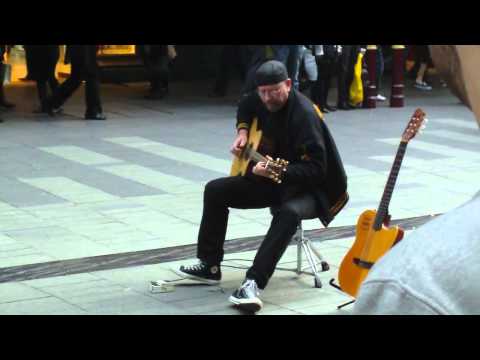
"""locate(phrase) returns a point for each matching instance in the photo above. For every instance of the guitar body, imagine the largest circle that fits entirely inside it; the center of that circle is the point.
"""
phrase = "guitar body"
(240, 164)
(358, 261)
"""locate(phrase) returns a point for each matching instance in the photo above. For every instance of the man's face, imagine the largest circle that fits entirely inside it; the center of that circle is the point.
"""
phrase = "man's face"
(458, 65)
(275, 96)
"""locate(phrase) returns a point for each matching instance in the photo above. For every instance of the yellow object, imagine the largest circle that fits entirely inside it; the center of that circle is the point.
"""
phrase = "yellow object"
(356, 88)
(240, 164)
(368, 248)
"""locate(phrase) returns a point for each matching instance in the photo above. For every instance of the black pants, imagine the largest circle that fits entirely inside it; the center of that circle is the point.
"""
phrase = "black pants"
(321, 88)
(42, 89)
(156, 61)
(232, 56)
(346, 68)
(245, 193)
(47, 78)
(83, 68)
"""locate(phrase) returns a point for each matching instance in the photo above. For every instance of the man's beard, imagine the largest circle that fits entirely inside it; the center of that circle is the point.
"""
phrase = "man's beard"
(274, 107)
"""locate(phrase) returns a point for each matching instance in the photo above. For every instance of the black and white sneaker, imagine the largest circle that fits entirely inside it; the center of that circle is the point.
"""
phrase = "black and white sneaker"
(209, 274)
(246, 297)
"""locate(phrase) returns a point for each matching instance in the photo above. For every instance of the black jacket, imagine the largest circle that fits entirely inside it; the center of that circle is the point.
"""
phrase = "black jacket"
(315, 164)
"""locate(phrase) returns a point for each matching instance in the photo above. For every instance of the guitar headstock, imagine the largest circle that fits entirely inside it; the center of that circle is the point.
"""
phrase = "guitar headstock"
(415, 125)
(276, 168)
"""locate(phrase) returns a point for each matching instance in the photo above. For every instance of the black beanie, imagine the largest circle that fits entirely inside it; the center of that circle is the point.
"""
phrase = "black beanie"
(271, 73)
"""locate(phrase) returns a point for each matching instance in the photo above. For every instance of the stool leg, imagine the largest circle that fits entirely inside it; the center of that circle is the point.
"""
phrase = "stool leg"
(325, 266)
(298, 239)
(312, 262)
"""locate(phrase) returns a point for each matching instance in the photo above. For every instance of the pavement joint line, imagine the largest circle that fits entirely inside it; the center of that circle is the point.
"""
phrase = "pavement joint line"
(169, 254)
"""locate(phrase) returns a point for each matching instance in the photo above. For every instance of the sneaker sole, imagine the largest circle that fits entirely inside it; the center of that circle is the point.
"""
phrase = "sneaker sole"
(196, 278)
(247, 305)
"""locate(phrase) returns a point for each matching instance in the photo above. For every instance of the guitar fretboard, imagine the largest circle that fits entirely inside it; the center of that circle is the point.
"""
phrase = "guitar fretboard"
(382, 211)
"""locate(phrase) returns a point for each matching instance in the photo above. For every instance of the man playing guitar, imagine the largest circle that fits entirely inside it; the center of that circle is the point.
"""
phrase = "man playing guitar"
(313, 185)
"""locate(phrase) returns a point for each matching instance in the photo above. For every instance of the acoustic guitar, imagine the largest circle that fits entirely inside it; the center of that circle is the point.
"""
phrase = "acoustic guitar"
(374, 237)
(250, 154)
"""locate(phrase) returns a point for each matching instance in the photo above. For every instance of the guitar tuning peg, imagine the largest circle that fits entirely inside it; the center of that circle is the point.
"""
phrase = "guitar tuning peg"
(423, 127)
(426, 121)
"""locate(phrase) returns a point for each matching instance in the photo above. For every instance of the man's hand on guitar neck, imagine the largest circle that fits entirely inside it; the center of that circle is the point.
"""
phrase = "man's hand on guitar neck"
(261, 169)
(240, 142)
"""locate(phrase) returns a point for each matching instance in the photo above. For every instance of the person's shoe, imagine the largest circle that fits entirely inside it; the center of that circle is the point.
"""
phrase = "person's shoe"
(54, 111)
(324, 110)
(422, 86)
(246, 297)
(158, 94)
(381, 98)
(97, 116)
(43, 109)
(345, 106)
(330, 108)
(203, 272)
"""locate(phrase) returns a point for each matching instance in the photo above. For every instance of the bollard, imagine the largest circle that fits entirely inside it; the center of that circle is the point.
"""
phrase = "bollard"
(397, 98)
(371, 91)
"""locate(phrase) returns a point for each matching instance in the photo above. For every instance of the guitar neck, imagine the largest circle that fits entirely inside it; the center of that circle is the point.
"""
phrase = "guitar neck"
(251, 154)
(382, 211)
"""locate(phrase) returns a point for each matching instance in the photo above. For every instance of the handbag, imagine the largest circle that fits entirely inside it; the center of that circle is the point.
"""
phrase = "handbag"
(356, 88)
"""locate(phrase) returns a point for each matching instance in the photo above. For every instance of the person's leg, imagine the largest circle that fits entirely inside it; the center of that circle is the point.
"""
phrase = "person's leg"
(92, 98)
(317, 86)
(421, 73)
(423, 58)
(380, 70)
(64, 91)
(42, 96)
(51, 78)
(281, 53)
(293, 64)
(28, 62)
(219, 195)
(3, 101)
(222, 78)
(284, 225)
(327, 83)
(343, 63)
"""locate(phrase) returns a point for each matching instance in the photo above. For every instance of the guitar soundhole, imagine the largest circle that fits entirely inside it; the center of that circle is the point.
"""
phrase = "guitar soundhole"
(363, 264)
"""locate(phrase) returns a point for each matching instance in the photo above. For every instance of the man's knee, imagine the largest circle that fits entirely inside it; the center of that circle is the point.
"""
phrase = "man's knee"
(290, 214)
(214, 190)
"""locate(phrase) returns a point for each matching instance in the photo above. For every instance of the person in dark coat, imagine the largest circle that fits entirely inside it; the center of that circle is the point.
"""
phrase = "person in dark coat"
(231, 56)
(156, 60)
(44, 60)
(314, 184)
(84, 68)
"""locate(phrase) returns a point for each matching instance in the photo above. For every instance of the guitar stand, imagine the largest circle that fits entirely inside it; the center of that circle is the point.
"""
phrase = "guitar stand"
(332, 283)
